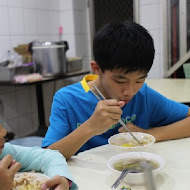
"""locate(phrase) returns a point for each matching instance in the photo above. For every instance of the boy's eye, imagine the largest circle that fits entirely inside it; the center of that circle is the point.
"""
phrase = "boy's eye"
(119, 81)
(140, 81)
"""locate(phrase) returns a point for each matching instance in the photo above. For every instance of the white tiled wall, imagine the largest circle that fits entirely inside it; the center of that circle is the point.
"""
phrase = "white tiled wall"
(21, 22)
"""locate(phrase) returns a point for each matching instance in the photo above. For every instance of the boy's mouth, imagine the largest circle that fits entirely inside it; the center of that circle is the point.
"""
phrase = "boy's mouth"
(126, 101)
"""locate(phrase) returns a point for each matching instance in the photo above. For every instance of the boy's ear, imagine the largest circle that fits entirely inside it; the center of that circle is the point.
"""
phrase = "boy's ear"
(95, 68)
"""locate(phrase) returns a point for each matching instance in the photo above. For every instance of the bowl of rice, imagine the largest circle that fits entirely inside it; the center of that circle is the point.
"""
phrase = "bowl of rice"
(124, 142)
(29, 181)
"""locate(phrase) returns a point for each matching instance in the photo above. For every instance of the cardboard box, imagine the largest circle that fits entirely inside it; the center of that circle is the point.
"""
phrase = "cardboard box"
(23, 51)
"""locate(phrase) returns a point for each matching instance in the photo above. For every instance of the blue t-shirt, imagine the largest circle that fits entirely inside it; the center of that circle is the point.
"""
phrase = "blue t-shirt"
(74, 104)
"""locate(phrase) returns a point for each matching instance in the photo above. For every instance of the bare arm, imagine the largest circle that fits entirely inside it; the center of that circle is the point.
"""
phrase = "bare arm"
(106, 114)
(179, 129)
(8, 168)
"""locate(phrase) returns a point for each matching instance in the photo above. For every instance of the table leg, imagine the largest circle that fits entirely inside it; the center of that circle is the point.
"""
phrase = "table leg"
(42, 128)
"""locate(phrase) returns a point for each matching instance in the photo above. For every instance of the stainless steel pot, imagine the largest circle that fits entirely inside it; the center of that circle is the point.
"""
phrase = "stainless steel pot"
(50, 57)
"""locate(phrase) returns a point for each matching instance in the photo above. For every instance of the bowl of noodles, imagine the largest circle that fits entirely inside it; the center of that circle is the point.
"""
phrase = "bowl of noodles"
(133, 160)
(124, 142)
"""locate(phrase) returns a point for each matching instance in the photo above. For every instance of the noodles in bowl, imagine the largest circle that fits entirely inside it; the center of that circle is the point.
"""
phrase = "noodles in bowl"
(133, 160)
(124, 142)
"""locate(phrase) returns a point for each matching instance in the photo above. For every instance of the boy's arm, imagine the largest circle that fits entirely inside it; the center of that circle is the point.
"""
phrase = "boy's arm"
(106, 114)
(176, 130)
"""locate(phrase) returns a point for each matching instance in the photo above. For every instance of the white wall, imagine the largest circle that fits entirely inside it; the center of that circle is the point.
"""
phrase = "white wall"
(151, 19)
(23, 21)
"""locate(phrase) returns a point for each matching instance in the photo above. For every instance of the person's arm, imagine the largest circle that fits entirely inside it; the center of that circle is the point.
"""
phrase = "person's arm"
(8, 168)
(176, 130)
(57, 182)
(106, 114)
(49, 162)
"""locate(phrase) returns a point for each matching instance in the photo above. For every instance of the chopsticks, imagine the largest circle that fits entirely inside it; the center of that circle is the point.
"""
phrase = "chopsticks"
(101, 97)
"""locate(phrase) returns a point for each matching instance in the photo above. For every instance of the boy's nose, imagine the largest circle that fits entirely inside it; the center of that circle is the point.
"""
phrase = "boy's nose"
(129, 91)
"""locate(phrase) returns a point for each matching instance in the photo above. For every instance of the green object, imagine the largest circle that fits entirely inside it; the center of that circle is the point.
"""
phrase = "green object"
(186, 69)
(125, 188)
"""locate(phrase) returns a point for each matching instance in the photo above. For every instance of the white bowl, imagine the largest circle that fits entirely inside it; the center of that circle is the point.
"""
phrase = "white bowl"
(135, 178)
(34, 180)
(119, 141)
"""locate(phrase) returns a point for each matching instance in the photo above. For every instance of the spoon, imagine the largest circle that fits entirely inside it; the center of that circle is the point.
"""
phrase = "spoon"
(122, 176)
(120, 120)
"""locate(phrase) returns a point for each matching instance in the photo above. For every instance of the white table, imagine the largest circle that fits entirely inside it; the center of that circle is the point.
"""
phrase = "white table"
(91, 172)
(175, 89)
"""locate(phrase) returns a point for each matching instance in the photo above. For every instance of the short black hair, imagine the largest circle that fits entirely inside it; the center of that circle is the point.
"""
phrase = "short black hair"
(125, 45)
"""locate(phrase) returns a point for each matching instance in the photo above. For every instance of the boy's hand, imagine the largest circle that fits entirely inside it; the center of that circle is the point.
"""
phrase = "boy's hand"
(106, 114)
(8, 168)
(57, 182)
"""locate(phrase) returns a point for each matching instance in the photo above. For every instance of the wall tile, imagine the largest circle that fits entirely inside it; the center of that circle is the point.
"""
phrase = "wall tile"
(3, 2)
(67, 22)
(54, 5)
(4, 21)
(29, 4)
(5, 43)
(16, 40)
(54, 22)
(66, 4)
(31, 38)
(15, 3)
(42, 4)
(44, 38)
(42, 22)
(16, 21)
(30, 22)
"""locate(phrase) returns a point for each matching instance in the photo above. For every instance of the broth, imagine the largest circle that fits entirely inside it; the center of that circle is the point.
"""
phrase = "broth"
(134, 163)
(132, 143)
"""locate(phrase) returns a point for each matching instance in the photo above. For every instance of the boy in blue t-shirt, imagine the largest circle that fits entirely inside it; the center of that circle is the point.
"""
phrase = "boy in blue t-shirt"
(123, 55)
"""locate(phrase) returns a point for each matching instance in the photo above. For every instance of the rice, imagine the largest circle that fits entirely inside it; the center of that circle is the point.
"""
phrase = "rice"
(27, 181)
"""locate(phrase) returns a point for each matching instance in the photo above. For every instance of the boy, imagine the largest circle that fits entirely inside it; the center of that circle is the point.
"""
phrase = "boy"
(124, 54)
(18, 158)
